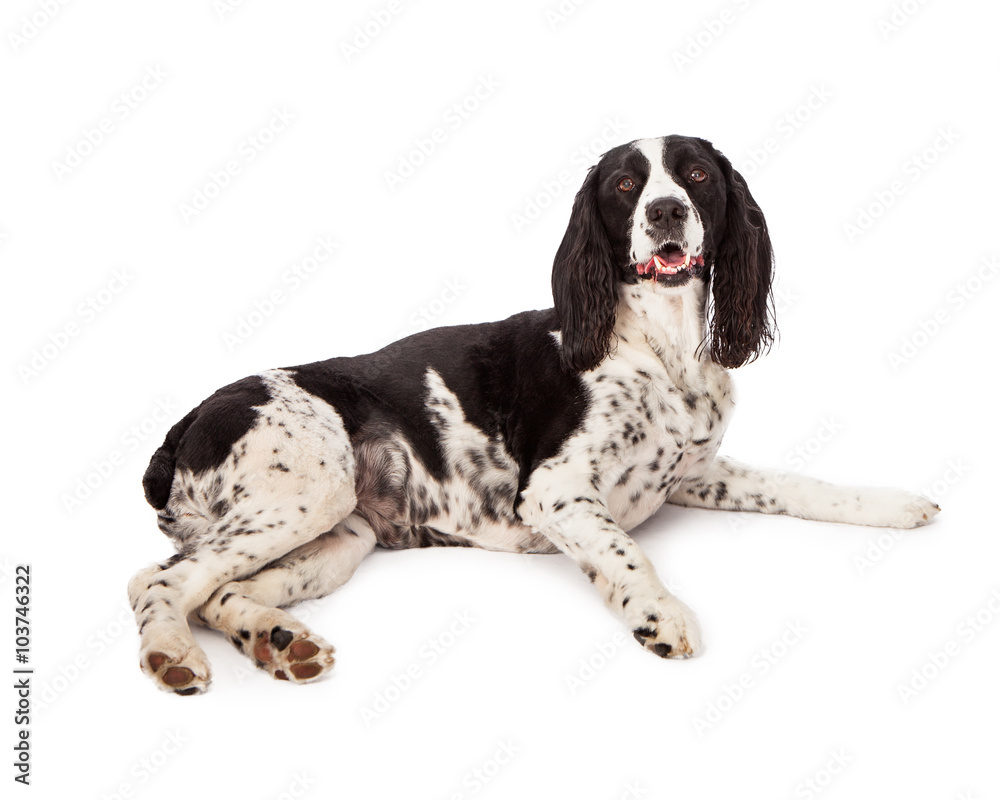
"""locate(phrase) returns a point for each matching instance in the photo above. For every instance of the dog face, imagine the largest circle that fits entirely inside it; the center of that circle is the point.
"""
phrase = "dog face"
(663, 213)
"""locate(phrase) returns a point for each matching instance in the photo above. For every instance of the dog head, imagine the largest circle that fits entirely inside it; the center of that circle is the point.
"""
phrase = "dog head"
(664, 213)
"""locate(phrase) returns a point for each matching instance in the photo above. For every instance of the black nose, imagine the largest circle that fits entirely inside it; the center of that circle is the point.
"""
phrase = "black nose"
(664, 211)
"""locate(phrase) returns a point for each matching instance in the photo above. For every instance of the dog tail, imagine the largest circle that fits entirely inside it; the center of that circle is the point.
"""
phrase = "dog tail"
(159, 475)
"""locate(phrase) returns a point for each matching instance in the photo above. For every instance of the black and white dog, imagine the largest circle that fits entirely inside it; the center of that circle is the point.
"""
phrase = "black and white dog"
(550, 431)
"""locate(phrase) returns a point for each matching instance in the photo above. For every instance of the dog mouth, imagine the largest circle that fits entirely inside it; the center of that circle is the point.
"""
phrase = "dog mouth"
(670, 265)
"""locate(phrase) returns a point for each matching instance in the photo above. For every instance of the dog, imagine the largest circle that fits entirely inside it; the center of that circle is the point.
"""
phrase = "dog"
(551, 431)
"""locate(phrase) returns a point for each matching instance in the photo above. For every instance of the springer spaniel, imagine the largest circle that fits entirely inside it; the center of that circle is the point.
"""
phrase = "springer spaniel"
(551, 431)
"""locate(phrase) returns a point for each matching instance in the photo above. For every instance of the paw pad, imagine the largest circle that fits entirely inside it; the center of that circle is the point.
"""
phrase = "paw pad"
(281, 638)
(302, 650)
(157, 660)
(306, 671)
(177, 676)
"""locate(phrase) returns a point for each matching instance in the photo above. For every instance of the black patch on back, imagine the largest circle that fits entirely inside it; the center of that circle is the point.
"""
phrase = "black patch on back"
(506, 376)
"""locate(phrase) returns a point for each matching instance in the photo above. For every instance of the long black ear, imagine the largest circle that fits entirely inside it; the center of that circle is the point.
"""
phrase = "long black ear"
(742, 325)
(584, 286)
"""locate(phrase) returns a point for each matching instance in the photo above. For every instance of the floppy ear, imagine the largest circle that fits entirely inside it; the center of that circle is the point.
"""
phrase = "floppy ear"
(742, 325)
(584, 287)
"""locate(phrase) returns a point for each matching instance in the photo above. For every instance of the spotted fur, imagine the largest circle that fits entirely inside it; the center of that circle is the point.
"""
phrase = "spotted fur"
(552, 431)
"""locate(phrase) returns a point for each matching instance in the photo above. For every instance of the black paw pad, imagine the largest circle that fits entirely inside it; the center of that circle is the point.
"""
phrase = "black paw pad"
(662, 649)
(281, 638)
(187, 692)
(642, 634)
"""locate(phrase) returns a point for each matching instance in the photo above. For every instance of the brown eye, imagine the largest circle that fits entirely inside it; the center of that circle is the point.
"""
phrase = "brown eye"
(698, 174)
(626, 185)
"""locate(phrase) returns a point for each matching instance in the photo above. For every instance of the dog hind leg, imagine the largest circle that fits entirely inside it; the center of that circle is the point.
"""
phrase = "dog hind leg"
(248, 613)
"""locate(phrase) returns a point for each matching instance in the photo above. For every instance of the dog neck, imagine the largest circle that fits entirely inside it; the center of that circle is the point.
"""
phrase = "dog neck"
(671, 322)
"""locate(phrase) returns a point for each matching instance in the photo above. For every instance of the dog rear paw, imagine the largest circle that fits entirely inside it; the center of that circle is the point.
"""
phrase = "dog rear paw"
(285, 648)
(178, 669)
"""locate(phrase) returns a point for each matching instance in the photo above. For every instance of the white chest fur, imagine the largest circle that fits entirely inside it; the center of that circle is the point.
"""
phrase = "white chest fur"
(659, 407)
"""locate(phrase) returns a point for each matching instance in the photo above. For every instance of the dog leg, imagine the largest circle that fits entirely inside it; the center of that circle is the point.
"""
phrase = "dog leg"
(247, 611)
(583, 528)
(731, 486)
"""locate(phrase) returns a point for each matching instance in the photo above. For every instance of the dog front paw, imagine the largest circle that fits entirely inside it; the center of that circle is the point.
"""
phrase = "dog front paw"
(668, 628)
(896, 508)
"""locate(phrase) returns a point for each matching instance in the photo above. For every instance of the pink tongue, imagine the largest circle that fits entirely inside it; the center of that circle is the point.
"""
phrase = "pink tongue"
(673, 259)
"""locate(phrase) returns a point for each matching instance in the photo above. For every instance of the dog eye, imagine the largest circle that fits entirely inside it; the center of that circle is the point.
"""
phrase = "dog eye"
(626, 185)
(698, 174)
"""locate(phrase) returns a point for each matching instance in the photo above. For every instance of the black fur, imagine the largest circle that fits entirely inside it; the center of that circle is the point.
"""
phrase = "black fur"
(202, 440)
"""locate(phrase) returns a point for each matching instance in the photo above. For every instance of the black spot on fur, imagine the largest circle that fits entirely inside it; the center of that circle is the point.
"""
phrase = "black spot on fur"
(641, 634)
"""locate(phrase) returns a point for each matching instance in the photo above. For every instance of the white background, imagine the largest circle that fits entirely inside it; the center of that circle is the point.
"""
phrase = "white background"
(857, 390)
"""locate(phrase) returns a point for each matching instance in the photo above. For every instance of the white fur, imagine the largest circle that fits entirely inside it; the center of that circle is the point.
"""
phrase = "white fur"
(660, 184)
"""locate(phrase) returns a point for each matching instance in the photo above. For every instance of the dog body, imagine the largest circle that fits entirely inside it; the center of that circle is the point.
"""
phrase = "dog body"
(550, 431)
